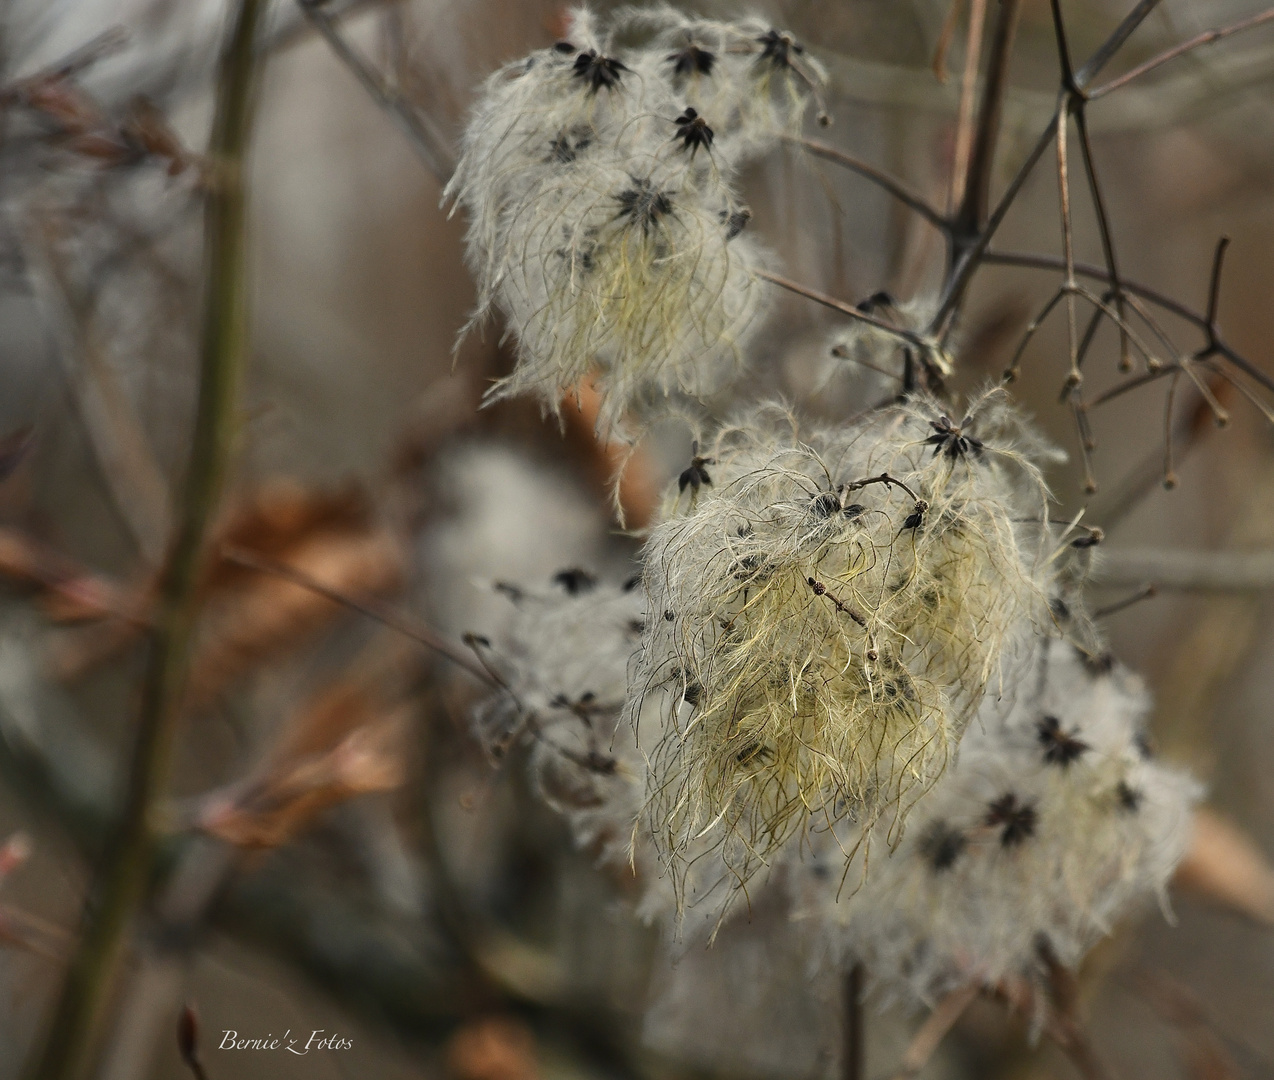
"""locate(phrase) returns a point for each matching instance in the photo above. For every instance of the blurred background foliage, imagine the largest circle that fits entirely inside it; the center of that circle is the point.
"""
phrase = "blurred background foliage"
(342, 855)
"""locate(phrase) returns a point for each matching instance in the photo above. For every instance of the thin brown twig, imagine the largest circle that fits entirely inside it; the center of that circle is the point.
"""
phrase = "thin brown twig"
(425, 138)
(1104, 229)
(854, 1035)
(1146, 592)
(971, 237)
(372, 608)
(80, 1013)
(927, 349)
(1074, 377)
(882, 179)
(1013, 371)
(1167, 303)
(1205, 38)
(945, 37)
(970, 257)
(972, 210)
(1214, 286)
(1169, 473)
(968, 96)
(930, 1034)
(1095, 63)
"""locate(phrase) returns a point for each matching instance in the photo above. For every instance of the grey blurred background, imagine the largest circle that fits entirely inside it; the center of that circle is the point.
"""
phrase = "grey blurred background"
(444, 923)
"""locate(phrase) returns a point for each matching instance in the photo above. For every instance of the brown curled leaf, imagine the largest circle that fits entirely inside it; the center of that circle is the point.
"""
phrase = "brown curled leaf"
(626, 468)
(266, 617)
(1225, 866)
(147, 128)
(492, 1048)
(288, 799)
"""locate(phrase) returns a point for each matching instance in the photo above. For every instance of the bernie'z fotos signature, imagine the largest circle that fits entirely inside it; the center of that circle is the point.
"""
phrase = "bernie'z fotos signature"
(318, 1040)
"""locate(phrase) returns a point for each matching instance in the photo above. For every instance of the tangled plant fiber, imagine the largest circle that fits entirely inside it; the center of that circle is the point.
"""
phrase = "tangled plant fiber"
(1054, 822)
(827, 615)
(599, 184)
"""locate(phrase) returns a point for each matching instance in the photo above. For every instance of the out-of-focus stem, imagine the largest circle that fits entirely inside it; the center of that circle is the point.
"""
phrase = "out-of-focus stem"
(81, 1010)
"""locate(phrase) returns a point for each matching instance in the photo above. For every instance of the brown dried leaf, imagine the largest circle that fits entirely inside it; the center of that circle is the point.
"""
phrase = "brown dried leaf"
(279, 516)
(493, 1048)
(102, 146)
(269, 616)
(1225, 866)
(63, 102)
(67, 591)
(616, 463)
(296, 791)
(146, 127)
(369, 688)
(13, 853)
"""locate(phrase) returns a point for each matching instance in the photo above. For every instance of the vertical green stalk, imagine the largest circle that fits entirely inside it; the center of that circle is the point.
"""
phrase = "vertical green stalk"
(121, 889)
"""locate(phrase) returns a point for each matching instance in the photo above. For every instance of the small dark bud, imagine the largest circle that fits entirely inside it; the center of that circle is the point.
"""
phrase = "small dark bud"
(942, 845)
(598, 71)
(1017, 821)
(693, 131)
(1060, 747)
(692, 60)
(575, 581)
(1129, 798)
(514, 594)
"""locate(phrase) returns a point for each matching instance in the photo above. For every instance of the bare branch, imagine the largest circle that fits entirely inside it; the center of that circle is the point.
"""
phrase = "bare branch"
(927, 348)
(896, 188)
(373, 609)
(1187, 571)
(1092, 68)
(1162, 300)
(1205, 38)
(1214, 285)
(931, 1033)
(1146, 592)
(968, 261)
(968, 96)
(80, 1013)
(421, 132)
(977, 184)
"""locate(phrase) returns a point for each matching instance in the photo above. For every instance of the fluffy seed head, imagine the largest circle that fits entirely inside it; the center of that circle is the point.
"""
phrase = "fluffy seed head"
(1018, 844)
(826, 618)
(599, 183)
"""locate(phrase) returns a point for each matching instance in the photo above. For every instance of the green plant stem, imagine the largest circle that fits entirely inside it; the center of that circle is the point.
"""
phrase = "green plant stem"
(121, 889)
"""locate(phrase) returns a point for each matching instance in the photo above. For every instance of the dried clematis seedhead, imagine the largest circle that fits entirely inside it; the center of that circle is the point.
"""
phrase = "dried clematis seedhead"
(1052, 824)
(826, 617)
(630, 270)
(599, 183)
(564, 661)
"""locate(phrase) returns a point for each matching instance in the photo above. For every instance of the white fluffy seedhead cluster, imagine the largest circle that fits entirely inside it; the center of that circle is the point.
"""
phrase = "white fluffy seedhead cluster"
(564, 660)
(598, 180)
(826, 610)
(1053, 823)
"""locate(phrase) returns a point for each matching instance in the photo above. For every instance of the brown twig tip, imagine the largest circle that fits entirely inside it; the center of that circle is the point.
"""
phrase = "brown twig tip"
(368, 606)
(188, 1042)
